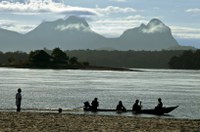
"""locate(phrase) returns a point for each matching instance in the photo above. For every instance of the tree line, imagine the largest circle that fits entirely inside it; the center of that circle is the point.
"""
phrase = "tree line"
(128, 59)
(57, 58)
(40, 59)
(187, 60)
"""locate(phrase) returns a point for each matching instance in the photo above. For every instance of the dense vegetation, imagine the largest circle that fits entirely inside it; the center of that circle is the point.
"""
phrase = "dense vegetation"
(187, 60)
(130, 59)
(41, 59)
(13, 58)
(57, 58)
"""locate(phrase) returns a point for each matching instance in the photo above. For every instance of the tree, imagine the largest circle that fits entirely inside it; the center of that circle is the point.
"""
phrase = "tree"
(59, 56)
(86, 63)
(11, 60)
(173, 63)
(73, 60)
(39, 56)
(188, 60)
(197, 59)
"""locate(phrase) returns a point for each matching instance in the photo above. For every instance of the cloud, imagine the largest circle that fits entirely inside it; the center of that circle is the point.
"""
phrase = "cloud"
(193, 10)
(156, 8)
(79, 27)
(186, 32)
(119, 0)
(114, 27)
(16, 26)
(154, 28)
(37, 10)
(43, 6)
(35, 7)
(115, 9)
(6, 24)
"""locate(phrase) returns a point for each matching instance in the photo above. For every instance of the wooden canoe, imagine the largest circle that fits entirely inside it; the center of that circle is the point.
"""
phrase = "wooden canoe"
(164, 110)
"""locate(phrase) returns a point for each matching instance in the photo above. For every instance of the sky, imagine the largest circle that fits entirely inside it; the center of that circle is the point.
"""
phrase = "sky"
(109, 18)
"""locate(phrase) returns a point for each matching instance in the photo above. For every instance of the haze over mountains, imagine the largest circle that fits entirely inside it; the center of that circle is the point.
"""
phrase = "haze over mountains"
(75, 33)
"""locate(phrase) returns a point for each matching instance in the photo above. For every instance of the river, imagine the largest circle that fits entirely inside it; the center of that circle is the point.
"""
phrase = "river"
(68, 89)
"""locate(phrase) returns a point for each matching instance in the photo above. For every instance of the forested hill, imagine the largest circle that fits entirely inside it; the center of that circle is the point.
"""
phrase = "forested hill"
(130, 59)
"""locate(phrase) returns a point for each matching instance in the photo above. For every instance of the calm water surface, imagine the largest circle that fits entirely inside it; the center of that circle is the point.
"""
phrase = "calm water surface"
(68, 89)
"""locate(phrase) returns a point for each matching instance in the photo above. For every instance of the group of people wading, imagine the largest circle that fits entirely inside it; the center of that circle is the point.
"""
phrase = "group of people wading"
(137, 106)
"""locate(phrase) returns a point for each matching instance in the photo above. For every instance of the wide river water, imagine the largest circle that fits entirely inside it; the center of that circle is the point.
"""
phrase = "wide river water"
(68, 89)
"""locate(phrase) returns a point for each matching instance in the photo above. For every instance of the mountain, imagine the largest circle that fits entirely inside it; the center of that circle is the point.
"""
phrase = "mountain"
(72, 33)
(182, 48)
(9, 40)
(153, 36)
(75, 33)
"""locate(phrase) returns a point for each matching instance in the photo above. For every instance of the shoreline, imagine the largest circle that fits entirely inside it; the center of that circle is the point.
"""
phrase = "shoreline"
(98, 68)
(39, 121)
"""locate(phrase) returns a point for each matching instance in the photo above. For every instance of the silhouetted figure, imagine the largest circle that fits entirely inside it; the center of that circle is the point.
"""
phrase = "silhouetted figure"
(18, 100)
(120, 107)
(94, 104)
(136, 107)
(60, 110)
(159, 107)
(87, 106)
(160, 104)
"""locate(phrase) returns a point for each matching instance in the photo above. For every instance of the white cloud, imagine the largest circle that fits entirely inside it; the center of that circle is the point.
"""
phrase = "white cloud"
(51, 9)
(43, 6)
(114, 27)
(16, 26)
(36, 7)
(156, 8)
(155, 28)
(186, 32)
(119, 0)
(115, 9)
(193, 10)
(80, 27)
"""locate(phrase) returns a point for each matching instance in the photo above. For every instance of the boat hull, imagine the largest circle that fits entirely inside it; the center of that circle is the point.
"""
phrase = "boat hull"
(164, 110)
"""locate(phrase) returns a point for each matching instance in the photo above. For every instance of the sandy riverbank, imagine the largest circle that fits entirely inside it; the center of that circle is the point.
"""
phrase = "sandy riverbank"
(32, 122)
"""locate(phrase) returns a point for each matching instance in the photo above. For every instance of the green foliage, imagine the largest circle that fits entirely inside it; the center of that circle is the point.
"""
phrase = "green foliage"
(131, 59)
(188, 60)
(57, 59)
(13, 58)
(39, 56)
(86, 63)
(128, 59)
(59, 56)
(73, 60)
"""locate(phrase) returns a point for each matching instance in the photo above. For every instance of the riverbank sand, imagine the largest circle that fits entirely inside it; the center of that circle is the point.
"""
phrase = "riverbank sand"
(50, 122)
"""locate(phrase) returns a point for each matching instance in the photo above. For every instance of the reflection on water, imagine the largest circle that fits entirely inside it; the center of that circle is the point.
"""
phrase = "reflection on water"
(68, 89)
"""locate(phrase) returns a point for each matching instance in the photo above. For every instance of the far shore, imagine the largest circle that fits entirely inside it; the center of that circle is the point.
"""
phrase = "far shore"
(44, 122)
(103, 68)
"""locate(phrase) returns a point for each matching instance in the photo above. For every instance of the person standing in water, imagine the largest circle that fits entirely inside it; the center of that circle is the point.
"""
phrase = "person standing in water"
(18, 99)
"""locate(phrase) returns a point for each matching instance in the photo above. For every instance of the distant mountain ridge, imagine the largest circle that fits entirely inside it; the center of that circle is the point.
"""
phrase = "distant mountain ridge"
(75, 33)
